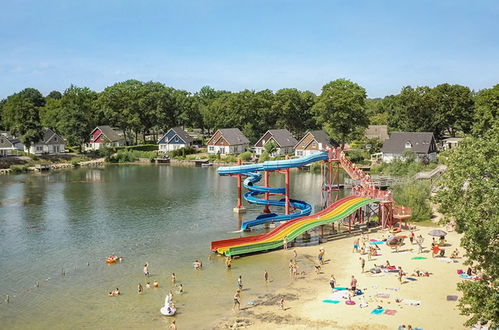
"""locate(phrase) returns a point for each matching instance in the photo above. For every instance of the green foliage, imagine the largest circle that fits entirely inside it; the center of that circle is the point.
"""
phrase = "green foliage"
(400, 168)
(469, 194)
(293, 110)
(415, 195)
(230, 159)
(486, 110)
(270, 147)
(357, 155)
(264, 157)
(125, 156)
(341, 109)
(139, 147)
(18, 169)
(76, 160)
(182, 152)
(246, 156)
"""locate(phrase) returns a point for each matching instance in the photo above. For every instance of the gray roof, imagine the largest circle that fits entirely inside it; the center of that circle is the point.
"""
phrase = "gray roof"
(283, 137)
(112, 134)
(182, 134)
(321, 137)
(233, 136)
(48, 137)
(420, 142)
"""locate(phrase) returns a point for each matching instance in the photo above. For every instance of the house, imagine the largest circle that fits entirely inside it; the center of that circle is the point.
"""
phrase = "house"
(227, 141)
(313, 142)
(174, 139)
(421, 143)
(105, 136)
(9, 145)
(450, 143)
(51, 143)
(377, 132)
(282, 138)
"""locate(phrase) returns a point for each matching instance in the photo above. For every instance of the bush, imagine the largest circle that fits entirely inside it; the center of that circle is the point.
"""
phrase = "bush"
(182, 152)
(357, 155)
(415, 195)
(230, 159)
(18, 169)
(126, 156)
(139, 147)
(76, 160)
(264, 157)
(246, 156)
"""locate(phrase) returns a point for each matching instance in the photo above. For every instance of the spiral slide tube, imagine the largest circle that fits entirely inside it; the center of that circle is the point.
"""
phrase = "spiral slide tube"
(251, 171)
(291, 229)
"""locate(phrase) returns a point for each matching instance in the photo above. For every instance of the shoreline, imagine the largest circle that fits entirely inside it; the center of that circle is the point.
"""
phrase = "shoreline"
(304, 297)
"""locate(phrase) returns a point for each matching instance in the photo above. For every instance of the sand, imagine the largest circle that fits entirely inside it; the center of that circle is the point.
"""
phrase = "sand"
(305, 309)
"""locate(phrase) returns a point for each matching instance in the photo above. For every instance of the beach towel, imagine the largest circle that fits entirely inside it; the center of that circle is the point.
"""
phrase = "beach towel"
(382, 295)
(363, 304)
(380, 274)
(350, 302)
(377, 311)
(338, 295)
(467, 277)
(331, 301)
(448, 260)
(340, 289)
(451, 298)
(411, 278)
(394, 289)
(411, 302)
(418, 258)
(376, 243)
(390, 312)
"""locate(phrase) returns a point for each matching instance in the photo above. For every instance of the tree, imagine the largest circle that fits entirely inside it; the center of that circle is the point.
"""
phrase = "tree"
(469, 194)
(2, 103)
(486, 110)
(54, 95)
(293, 110)
(203, 100)
(77, 116)
(415, 111)
(341, 109)
(21, 115)
(270, 147)
(50, 113)
(453, 110)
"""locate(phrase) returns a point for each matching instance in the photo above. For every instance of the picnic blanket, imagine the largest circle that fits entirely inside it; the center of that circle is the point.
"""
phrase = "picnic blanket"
(377, 311)
(390, 312)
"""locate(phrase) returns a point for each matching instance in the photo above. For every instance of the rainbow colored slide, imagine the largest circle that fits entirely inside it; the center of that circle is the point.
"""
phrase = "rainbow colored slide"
(274, 239)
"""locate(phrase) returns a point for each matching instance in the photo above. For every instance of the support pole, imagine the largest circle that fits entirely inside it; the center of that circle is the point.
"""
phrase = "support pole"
(239, 207)
(287, 190)
(330, 183)
(266, 209)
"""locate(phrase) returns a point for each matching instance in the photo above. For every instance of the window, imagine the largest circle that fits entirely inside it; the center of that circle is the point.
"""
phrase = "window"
(211, 148)
(176, 139)
(314, 145)
(299, 153)
(39, 148)
(55, 139)
(408, 145)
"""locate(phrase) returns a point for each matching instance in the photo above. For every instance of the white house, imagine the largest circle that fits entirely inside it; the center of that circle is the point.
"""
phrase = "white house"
(9, 145)
(227, 141)
(422, 144)
(174, 139)
(282, 138)
(313, 142)
(105, 136)
(51, 143)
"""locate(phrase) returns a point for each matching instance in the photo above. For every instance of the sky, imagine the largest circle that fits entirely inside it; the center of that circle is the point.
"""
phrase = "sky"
(248, 44)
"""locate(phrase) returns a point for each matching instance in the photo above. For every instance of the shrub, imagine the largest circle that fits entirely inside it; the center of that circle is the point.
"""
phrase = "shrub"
(246, 156)
(230, 159)
(415, 195)
(18, 169)
(357, 155)
(126, 156)
(139, 147)
(264, 157)
(182, 152)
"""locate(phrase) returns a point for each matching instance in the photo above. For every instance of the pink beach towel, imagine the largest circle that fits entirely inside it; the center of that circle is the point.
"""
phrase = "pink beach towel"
(390, 312)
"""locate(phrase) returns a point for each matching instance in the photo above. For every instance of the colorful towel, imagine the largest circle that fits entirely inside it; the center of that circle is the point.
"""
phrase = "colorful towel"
(382, 295)
(377, 311)
(376, 242)
(411, 278)
(350, 302)
(418, 258)
(331, 301)
(340, 289)
(390, 312)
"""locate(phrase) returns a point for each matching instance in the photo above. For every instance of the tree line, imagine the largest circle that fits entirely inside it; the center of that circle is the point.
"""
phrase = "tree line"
(342, 109)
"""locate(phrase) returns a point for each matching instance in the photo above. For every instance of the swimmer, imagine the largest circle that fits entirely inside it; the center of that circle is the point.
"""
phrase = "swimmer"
(196, 264)
(139, 288)
(148, 285)
(266, 276)
(146, 269)
(240, 282)
(281, 303)
(180, 289)
(155, 284)
(174, 278)
(228, 262)
(173, 326)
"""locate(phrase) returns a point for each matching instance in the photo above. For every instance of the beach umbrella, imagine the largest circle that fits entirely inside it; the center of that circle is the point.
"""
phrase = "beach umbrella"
(437, 232)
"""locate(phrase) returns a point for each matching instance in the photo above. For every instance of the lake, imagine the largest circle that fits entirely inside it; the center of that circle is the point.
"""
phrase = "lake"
(57, 229)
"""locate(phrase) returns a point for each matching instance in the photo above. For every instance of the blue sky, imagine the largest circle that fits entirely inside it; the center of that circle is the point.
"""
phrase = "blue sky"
(254, 44)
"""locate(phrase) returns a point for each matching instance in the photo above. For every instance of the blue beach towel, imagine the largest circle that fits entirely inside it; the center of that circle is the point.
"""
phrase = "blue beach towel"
(377, 311)
(411, 278)
(376, 243)
(340, 289)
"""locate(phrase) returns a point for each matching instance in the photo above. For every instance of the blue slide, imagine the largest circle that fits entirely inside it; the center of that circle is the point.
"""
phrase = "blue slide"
(253, 176)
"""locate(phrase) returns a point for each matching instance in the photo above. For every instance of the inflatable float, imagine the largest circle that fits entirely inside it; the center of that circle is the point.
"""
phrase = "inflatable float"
(112, 259)
(168, 309)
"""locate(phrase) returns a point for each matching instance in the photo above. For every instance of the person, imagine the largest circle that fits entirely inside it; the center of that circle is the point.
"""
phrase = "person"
(317, 269)
(173, 326)
(110, 294)
(362, 263)
(281, 303)
(197, 265)
(180, 289)
(332, 281)
(174, 278)
(320, 257)
(155, 284)
(400, 274)
(148, 285)
(139, 288)
(115, 292)
(266, 276)
(411, 237)
(228, 262)
(295, 255)
(146, 269)
(355, 246)
(387, 264)
(353, 285)
(420, 241)
(455, 254)
(237, 301)
(433, 242)
(240, 282)
(434, 250)
(285, 242)
(294, 271)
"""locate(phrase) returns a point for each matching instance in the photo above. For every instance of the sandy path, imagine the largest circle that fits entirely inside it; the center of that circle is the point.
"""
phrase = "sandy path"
(303, 297)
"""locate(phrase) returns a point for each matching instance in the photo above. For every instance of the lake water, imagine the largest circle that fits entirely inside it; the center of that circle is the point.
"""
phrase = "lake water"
(70, 221)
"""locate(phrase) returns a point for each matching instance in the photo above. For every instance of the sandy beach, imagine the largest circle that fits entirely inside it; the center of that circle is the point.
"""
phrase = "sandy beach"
(305, 309)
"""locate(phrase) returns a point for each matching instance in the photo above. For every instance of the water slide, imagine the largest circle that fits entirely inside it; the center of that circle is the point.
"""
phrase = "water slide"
(335, 212)
(253, 176)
